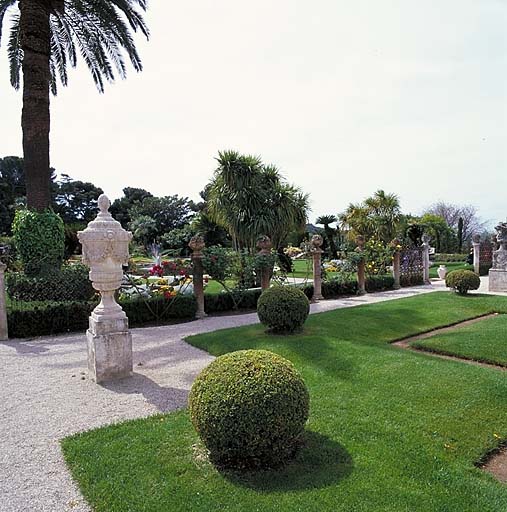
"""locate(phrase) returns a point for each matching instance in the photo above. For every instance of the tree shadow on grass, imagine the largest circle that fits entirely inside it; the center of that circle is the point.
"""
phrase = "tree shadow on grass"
(320, 462)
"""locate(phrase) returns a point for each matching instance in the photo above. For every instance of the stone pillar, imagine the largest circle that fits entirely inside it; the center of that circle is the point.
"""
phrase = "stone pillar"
(105, 250)
(426, 258)
(476, 243)
(264, 245)
(316, 251)
(498, 273)
(4, 332)
(361, 267)
(396, 264)
(197, 245)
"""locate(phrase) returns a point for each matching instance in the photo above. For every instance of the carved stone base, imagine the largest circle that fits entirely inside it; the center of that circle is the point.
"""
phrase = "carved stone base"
(497, 280)
(109, 349)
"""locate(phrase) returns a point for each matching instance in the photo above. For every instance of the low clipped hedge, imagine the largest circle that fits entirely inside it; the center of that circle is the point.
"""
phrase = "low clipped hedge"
(218, 302)
(249, 408)
(449, 258)
(70, 283)
(283, 309)
(462, 281)
(42, 318)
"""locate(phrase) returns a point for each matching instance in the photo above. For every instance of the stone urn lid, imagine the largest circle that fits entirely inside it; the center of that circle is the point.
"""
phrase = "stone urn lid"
(104, 238)
(104, 227)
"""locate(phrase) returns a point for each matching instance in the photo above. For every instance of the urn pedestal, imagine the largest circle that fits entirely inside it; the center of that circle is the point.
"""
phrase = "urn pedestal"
(497, 280)
(498, 274)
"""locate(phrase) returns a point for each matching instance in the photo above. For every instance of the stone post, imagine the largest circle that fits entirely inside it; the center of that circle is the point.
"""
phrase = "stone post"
(4, 332)
(105, 250)
(396, 264)
(426, 258)
(476, 243)
(498, 273)
(361, 267)
(197, 245)
(316, 251)
(264, 245)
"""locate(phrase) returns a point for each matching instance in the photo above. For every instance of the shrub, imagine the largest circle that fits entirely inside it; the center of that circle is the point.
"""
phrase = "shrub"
(449, 258)
(462, 281)
(39, 238)
(40, 318)
(249, 408)
(378, 283)
(237, 299)
(283, 309)
(71, 283)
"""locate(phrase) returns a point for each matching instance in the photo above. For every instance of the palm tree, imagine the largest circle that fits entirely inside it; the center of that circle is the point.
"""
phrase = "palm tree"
(45, 36)
(326, 220)
(377, 216)
(251, 199)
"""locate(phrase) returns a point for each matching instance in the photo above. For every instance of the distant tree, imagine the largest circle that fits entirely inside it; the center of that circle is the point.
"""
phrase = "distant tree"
(377, 216)
(213, 233)
(330, 232)
(166, 213)
(120, 209)
(251, 199)
(177, 240)
(45, 37)
(12, 190)
(451, 213)
(76, 201)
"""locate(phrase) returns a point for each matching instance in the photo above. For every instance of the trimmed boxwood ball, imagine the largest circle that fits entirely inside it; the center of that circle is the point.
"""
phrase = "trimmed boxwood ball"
(249, 408)
(462, 281)
(283, 309)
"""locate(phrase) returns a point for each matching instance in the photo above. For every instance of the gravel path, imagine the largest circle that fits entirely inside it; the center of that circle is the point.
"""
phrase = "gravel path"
(46, 395)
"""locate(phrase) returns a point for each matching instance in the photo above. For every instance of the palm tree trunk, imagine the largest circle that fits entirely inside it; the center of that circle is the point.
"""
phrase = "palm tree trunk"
(35, 42)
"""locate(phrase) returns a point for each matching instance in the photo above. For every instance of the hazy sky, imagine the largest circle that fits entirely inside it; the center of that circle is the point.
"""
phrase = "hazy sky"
(345, 97)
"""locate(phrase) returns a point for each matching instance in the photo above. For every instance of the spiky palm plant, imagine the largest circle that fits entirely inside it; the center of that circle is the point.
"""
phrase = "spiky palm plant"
(326, 221)
(46, 37)
(251, 199)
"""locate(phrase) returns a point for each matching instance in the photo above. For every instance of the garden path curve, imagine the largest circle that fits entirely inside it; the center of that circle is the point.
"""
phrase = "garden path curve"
(46, 395)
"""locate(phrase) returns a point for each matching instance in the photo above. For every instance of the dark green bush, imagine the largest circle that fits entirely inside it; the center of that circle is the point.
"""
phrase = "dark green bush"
(159, 309)
(283, 309)
(41, 318)
(244, 299)
(412, 279)
(449, 258)
(39, 238)
(462, 281)
(379, 283)
(249, 409)
(71, 283)
(29, 319)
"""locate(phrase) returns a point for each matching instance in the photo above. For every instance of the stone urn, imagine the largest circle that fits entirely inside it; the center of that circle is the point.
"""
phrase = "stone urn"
(105, 250)
(442, 271)
(498, 273)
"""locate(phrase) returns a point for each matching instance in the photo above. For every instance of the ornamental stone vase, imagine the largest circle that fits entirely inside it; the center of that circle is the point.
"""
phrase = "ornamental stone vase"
(498, 273)
(105, 250)
(442, 271)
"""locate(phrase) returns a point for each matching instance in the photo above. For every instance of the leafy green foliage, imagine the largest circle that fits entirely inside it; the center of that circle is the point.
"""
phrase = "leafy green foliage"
(283, 309)
(120, 209)
(71, 283)
(462, 281)
(249, 409)
(100, 31)
(40, 240)
(250, 199)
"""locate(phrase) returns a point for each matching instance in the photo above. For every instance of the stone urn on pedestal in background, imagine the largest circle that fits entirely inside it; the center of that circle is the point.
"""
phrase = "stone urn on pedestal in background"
(442, 271)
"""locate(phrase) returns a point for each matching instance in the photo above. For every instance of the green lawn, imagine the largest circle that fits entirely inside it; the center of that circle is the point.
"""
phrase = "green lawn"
(389, 430)
(484, 341)
(450, 267)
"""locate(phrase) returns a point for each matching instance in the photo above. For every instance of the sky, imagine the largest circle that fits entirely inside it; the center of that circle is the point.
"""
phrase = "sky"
(343, 97)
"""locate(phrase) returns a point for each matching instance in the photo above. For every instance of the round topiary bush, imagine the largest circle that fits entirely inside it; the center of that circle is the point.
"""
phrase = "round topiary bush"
(40, 240)
(249, 408)
(462, 281)
(283, 309)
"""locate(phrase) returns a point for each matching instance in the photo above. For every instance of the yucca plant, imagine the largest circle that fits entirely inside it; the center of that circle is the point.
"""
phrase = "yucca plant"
(46, 37)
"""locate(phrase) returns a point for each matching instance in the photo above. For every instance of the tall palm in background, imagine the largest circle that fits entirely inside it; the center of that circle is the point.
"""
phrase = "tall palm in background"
(377, 216)
(326, 221)
(251, 199)
(45, 37)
